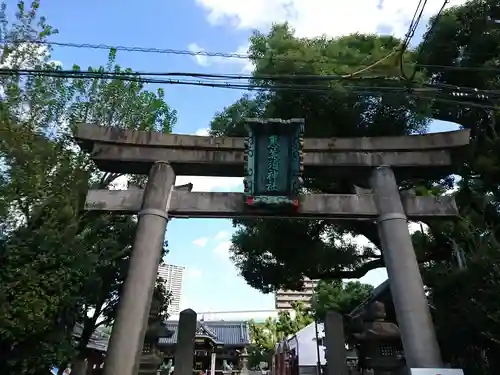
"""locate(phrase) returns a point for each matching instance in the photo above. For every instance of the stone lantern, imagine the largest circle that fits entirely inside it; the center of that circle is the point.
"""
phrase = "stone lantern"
(244, 362)
(151, 356)
(379, 342)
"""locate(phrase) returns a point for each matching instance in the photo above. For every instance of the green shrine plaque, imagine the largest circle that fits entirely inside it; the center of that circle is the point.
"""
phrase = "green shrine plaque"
(274, 162)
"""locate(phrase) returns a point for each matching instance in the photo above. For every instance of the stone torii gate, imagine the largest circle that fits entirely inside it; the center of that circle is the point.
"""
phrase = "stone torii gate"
(272, 159)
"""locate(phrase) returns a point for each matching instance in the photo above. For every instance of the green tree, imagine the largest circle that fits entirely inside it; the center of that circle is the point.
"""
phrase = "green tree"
(266, 335)
(342, 297)
(278, 253)
(462, 286)
(58, 263)
(460, 56)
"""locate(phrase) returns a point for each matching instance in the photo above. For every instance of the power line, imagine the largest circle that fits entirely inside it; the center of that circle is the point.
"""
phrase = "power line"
(429, 33)
(323, 60)
(409, 35)
(415, 93)
(138, 76)
(417, 16)
(200, 75)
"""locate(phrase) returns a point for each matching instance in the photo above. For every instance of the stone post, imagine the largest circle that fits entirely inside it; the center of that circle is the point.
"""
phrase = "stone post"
(213, 356)
(412, 310)
(129, 328)
(244, 362)
(335, 344)
(184, 349)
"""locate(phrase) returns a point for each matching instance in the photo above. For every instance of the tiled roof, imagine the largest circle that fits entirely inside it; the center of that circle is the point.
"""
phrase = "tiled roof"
(98, 341)
(233, 333)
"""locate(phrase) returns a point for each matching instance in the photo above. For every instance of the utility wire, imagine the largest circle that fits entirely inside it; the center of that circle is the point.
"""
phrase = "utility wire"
(417, 16)
(324, 60)
(429, 33)
(277, 78)
(137, 77)
(297, 77)
(416, 93)
(350, 75)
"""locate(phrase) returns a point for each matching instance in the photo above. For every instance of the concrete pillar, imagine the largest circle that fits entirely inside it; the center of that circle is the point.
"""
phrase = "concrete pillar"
(129, 328)
(212, 363)
(184, 349)
(335, 344)
(412, 311)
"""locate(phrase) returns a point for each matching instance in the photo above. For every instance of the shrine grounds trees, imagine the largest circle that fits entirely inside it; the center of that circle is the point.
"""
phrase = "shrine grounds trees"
(339, 296)
(273, 330)
(462, 289)
(58, 263)
(459, 55)
(279, 253)
(335, 295)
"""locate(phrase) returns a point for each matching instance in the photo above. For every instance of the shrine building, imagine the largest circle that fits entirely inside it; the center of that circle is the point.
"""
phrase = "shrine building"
(216, 342)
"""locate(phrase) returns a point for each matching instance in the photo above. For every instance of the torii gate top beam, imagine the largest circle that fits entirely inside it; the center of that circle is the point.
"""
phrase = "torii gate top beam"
(129, 151)
(89, 134)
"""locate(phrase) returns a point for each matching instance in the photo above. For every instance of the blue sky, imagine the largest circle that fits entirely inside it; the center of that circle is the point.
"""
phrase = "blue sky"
(211, 282)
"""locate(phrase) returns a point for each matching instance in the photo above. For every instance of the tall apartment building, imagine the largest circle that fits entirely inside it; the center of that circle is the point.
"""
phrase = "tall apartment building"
(172, 276)
(283, 299)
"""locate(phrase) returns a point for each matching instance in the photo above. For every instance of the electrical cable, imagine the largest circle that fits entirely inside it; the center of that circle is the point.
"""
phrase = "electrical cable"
(138, 77)
(429, 32)
(202, 75)
(325, 60)
(415, 93)
(417, 16)
(350, 75)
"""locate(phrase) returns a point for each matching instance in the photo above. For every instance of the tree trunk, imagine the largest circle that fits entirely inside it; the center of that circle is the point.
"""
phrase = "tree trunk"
(79, 365)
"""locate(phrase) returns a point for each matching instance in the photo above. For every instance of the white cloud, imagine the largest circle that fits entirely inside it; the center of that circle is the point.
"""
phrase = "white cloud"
(238, 65)
(200, 183)
(205, 183)
(202, 132)
(222, 250)
(194, 273)
(201, 241)
(200, 59)
(221, 235)
(317, 17)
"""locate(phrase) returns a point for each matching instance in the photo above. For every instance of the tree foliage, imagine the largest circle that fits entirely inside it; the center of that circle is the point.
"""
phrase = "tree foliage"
(459, 55)
(339, 296)
(336, 295)
(58, 262)
(279, 253)
(462, 286)
(266, 335)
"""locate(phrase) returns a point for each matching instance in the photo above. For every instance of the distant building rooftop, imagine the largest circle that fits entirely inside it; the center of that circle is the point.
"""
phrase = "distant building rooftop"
(228, 333)
(98, 341)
